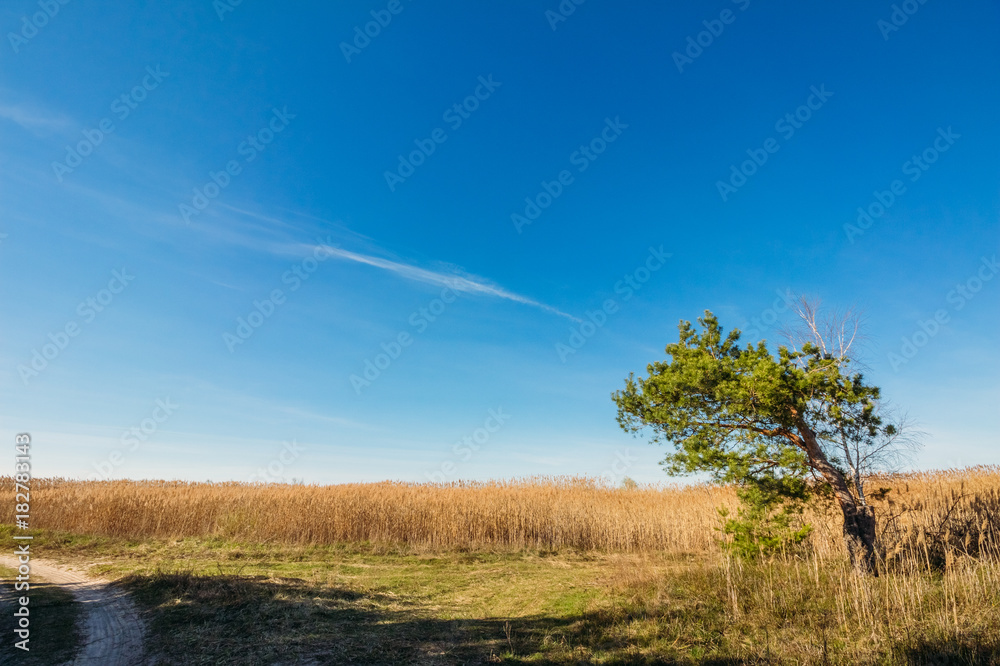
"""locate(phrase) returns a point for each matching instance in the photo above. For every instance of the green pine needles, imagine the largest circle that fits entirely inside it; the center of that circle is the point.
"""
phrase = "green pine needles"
(769, 520)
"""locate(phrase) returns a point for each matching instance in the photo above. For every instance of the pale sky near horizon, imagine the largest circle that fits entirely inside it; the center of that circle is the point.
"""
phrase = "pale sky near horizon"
(247, 242)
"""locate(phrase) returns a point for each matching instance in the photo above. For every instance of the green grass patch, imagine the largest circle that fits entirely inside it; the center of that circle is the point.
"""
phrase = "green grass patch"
(216, 601)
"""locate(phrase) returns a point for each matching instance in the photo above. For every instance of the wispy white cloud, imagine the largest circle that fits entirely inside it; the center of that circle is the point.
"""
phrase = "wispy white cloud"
(259, 216)
(460, 283)
(337, 420)
(33, 118)
(272, 238)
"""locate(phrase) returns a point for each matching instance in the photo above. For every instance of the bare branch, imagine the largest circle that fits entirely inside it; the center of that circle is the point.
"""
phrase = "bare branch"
(837, 334)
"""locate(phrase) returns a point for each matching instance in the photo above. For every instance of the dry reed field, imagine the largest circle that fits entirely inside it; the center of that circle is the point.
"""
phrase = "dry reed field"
(603, 574)
(930, 512)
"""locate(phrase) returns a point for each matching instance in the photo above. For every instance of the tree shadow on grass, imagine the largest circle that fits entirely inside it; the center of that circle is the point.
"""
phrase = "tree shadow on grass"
(984, 651)
(249, 620)
(226, 619)
(54, 624)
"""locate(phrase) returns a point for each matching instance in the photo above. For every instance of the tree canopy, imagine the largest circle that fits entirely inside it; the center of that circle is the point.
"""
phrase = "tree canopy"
(746, 415)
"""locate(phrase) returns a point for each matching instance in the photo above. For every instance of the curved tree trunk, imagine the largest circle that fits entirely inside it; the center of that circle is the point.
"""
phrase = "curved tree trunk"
(860, 534)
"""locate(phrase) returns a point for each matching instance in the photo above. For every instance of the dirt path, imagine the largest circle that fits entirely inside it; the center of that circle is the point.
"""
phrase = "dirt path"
(112, 629)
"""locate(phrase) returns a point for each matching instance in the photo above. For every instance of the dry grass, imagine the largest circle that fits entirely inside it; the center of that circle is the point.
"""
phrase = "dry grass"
(948, 511)
(512, 572)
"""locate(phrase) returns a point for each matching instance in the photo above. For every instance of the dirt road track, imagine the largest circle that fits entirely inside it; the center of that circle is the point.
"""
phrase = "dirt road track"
(112, 629)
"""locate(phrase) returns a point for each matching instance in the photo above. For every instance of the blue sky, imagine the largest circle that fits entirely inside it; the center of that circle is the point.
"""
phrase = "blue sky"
(182, 164)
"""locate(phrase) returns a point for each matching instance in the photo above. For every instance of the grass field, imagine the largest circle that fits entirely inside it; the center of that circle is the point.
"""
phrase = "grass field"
(541, 572)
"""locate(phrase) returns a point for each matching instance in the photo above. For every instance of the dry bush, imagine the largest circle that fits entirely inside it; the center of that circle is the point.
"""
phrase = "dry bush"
(932, 520)
(933, 514)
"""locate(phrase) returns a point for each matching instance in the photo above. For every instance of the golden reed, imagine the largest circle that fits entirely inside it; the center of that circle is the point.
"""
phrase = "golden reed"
(533, 513)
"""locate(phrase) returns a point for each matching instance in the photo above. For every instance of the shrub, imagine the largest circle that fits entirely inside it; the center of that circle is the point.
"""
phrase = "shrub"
(768, 521)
